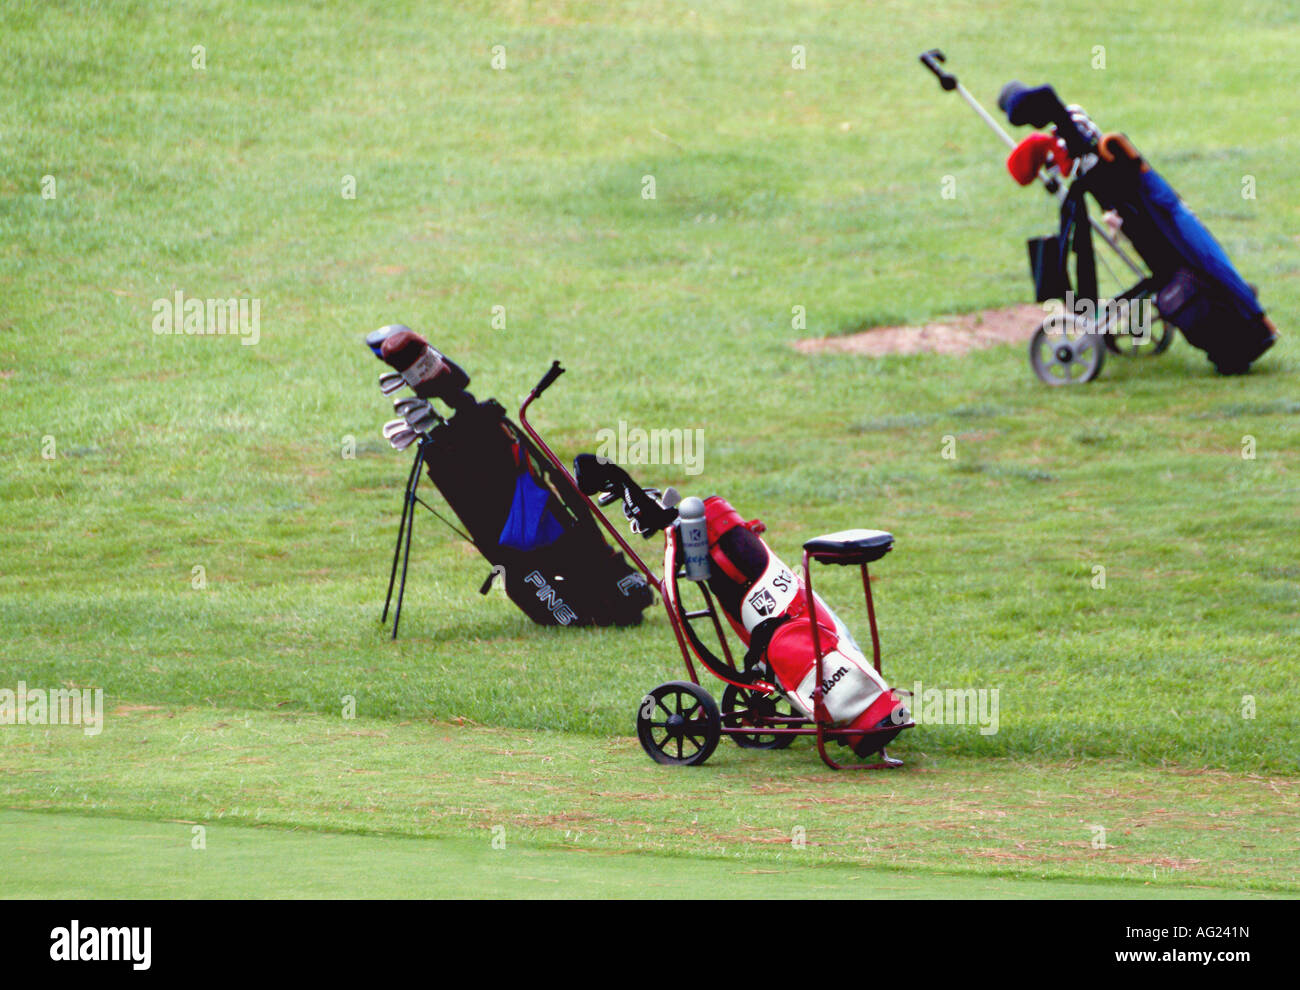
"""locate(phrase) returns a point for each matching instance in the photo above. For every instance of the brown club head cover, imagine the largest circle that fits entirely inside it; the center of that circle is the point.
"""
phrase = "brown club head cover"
(402, 349)
(419, 364)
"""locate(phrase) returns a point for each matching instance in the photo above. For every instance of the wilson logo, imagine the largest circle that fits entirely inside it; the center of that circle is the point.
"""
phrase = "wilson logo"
(834, 679)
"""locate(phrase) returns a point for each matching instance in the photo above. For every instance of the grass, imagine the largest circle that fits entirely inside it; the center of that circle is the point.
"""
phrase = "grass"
(160, 860)
(521, 188)
(1161, 831)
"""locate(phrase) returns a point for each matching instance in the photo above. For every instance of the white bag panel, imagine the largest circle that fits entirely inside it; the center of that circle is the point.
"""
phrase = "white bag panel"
(770, 595)
(851, 685)
(841, 629)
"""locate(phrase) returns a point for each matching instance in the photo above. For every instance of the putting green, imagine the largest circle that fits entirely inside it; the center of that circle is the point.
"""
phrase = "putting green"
(77, 856)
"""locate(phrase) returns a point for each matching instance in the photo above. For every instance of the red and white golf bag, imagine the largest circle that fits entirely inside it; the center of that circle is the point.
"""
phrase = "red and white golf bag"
(768, 606)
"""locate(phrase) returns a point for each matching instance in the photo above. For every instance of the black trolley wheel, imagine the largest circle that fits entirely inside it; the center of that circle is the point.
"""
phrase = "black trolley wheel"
(678, 724)
(745, 706)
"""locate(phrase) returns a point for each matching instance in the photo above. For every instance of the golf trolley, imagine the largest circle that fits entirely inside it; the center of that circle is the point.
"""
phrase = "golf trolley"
(679, 722)
(1184, 278)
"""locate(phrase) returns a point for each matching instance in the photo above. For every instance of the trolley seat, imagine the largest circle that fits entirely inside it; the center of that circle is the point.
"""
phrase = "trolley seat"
(850, 546)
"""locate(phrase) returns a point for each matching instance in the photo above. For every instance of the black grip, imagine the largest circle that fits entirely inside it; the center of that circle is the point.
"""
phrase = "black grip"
(548, 379)
(931, 60)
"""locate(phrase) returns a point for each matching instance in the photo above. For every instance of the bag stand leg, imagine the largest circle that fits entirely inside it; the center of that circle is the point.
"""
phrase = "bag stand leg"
(403, 548)
(820, 715)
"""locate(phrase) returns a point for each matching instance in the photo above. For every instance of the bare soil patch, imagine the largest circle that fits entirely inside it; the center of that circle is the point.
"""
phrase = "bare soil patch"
(948, 335)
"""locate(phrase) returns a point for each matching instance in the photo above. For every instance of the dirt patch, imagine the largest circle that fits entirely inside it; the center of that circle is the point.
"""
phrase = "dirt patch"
(949, 335)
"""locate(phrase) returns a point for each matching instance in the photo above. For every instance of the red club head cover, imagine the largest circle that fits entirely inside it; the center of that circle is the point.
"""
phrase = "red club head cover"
(1032, 153)
(1064, 163)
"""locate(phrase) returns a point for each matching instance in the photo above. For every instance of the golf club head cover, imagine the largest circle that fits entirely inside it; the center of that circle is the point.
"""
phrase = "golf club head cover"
(764, 599)
(1036, 106)
(427, 372)
(1010, 92)
(595, 475)
(375, 339)
(1039, 107)
(1033, 153)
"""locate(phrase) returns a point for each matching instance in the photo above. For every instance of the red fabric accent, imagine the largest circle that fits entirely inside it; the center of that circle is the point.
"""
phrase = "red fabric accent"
(721, 519)
(1061, 156)
(725, 565)
(791, 654)
(523, 462)
(877, 710)
(1032, 153)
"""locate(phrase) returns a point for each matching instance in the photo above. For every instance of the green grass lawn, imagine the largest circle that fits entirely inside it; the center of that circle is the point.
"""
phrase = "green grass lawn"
(160, 860)
(506, 791)
(87, 857)
(1171, 690)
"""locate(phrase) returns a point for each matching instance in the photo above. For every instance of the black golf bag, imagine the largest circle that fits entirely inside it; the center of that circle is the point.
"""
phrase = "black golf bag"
(525, 517)
(1194, 284)
(528, 521)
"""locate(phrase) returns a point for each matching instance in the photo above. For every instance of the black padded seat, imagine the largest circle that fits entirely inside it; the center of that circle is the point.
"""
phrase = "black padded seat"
(850, 546)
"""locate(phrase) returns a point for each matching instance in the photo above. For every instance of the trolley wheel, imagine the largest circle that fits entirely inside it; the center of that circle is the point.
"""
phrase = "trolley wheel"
(744, 706)
(1128, 345)
(1064, 352)
(678, 724)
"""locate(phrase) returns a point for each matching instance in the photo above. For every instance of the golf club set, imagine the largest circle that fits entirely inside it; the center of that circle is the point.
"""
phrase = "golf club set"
(415, 418)
(525, 517)
(426, 372)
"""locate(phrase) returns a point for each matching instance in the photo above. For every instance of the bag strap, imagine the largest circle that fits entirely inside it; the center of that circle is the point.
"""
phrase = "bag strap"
(759, 640)
(1074, 221)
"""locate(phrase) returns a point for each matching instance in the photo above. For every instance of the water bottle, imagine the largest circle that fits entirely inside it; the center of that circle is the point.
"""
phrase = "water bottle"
(693, 534)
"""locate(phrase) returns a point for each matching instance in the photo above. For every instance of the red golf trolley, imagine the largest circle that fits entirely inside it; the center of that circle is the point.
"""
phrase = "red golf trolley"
(678, 722)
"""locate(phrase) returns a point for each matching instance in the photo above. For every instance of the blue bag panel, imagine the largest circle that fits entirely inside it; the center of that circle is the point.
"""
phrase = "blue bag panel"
(1196, 244)
(531, 524)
